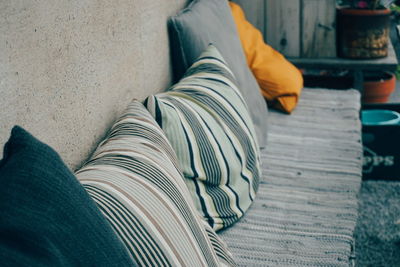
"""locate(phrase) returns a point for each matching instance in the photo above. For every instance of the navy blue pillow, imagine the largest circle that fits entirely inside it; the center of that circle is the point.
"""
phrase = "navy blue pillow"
(46, 216)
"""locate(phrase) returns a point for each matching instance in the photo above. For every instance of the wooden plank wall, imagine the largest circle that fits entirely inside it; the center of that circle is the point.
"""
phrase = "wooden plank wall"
(296, 28)
(318, 28)
(282, 26)
(255, 12)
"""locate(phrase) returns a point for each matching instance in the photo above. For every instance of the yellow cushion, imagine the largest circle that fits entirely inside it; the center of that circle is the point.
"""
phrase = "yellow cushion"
(280, 81)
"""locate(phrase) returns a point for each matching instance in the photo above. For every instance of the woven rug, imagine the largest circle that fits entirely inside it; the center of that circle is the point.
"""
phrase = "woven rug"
(306, 208)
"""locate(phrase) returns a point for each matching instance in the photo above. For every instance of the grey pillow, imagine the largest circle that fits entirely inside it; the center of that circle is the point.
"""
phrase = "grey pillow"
(210, 21)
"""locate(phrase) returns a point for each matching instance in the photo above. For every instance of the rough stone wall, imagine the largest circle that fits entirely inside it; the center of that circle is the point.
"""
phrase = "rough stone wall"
(69, 68)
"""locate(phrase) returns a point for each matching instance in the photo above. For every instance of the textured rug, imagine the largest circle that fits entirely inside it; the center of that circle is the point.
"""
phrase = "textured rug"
(306, 207)
(378, 228)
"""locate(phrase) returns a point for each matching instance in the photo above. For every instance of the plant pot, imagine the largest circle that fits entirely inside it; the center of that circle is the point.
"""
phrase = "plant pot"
(363, 33)
(378, 86)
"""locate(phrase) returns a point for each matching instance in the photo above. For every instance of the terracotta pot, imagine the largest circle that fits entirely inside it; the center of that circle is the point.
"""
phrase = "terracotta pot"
(378, 86)
(363, 33)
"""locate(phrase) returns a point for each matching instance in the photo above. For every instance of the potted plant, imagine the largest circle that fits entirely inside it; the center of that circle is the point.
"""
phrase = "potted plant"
(363, 28)
(378, 86)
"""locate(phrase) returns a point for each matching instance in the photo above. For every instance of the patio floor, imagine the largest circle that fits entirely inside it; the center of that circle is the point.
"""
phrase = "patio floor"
(378, 228)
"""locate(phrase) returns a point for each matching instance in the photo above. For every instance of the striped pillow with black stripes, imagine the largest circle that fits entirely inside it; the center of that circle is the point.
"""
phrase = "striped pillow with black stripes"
(133, 177)
(207, 123)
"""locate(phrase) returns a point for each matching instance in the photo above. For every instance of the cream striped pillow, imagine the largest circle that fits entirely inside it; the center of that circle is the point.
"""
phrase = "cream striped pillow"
(134, 179)
(207, 122)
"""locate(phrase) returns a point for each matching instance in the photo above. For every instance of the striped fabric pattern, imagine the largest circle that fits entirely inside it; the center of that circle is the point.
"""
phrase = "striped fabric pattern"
(306, 208)
(208, 124)
(134, 178)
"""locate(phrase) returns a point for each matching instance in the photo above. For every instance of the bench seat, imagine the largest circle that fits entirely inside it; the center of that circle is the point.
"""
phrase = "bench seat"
(306, 207)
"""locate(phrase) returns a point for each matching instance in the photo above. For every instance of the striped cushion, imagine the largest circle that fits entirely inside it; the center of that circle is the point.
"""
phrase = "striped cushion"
(134, 179)
(207, 122)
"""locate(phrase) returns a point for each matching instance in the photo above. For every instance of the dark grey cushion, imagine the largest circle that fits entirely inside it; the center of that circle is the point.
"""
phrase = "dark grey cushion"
(210, 21)
(46, 216)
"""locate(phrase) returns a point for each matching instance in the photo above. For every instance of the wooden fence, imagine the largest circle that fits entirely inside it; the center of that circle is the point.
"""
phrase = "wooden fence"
(296, 28)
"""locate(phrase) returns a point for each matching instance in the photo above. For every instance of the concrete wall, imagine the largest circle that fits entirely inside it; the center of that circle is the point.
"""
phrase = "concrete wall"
(68, 68)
